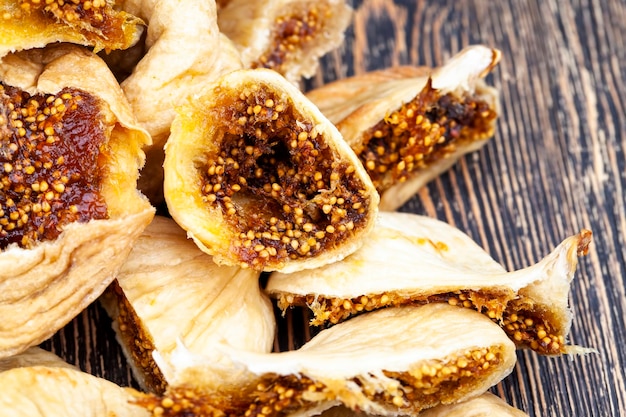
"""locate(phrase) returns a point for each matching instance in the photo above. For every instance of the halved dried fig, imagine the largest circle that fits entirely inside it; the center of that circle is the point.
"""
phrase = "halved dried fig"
(260, 178)
(285, 35)
(70, 153)
(28, 24)
(409, 124)
(395, 361)
(169, 291)
(37, 383)
(425, 260)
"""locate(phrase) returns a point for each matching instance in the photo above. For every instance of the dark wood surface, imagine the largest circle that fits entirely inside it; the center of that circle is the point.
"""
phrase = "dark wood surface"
(556, 165)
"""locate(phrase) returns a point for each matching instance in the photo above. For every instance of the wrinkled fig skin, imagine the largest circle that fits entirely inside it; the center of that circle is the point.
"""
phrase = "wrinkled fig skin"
(184, 52)
(425, 261)
(169, 291)
(69, 205)
(422, 356)
(28, 24)
(486, 405)
(286, 36)
(410, 124)
(261, 179)
(37, 383)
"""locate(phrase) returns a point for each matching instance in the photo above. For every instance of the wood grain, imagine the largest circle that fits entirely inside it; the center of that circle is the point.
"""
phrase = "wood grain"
(556, 165)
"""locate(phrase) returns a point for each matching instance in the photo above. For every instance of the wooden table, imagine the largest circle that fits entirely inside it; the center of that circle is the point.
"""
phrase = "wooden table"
(556, 165)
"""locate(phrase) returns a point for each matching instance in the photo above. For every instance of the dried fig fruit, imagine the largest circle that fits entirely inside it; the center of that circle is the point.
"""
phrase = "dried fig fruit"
(38, 383)
(285, 35)
(70, 153)
(424, 260)
(396, 361)
(28, 24)
(169, 291)
(260, 178)
(410, 124)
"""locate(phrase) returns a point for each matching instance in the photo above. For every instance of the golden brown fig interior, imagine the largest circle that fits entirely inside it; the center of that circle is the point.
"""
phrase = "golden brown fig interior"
(525, 324)
(51, 148)
(138, 343)
(421, 132)
(96, 20)
(292, 32)
(273, 165)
